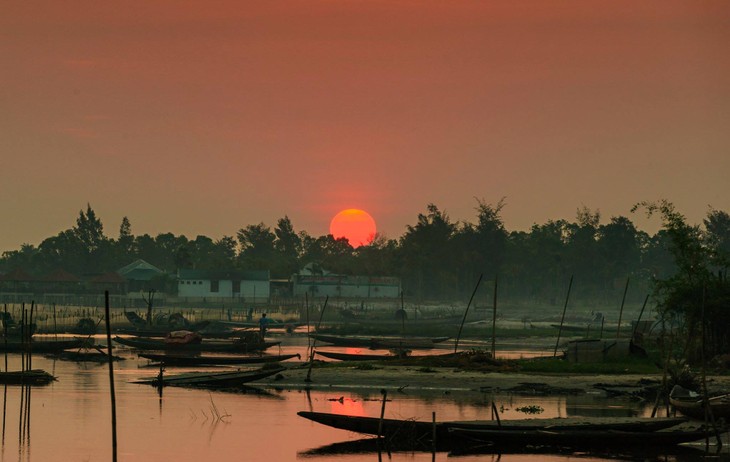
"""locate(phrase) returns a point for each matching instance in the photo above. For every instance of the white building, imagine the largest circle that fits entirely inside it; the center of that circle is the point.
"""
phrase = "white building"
(239, 285)
(338, 285)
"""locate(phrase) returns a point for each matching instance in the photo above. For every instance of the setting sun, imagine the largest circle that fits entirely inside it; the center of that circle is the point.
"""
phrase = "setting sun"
(355, 225)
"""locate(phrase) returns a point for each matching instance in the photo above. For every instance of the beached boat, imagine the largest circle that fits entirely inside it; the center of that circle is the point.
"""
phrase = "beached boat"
(207, 346)
(357, 357)
(30, 377)
(377, 357)
(376, 343)
(692, 405)
(406, 428)
(43, 346)
(179, 360)
(227, 379)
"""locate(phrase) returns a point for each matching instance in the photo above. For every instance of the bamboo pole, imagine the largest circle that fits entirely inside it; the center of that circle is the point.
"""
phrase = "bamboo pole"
(22, 337)
(562, 318)
(466, 311)
(382, 412)
(55, 325)
(709, 417)
(433, 433)
(633, 334)
(30, 335)
(5, 338)
(621, 310)
(306, 308)
(494, 320)
(314, 342)
(111, 376)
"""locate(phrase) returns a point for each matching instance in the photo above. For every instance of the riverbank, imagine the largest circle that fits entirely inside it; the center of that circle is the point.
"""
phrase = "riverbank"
(447, 380)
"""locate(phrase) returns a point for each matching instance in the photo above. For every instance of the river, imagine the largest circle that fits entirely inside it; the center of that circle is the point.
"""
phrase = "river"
(70, 419)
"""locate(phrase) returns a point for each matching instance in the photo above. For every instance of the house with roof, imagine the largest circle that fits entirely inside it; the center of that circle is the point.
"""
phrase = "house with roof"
(223, 284)
(141, 276)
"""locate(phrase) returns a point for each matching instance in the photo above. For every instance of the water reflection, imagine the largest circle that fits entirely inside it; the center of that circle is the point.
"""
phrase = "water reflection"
(70, 420)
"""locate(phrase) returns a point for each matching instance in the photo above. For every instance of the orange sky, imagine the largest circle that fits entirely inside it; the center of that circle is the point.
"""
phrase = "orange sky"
(203, 117)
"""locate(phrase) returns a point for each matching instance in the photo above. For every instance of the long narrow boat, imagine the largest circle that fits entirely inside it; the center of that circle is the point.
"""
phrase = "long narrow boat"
(42, 346)
(377, 357)
(211, 379)
(178, 360)
(208, 346)
(380, 342)
(30, 377)
(580, 437)
(694, 406)
(404, 428)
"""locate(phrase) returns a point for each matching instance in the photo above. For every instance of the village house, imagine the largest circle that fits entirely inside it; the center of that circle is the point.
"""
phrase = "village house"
(253, 286)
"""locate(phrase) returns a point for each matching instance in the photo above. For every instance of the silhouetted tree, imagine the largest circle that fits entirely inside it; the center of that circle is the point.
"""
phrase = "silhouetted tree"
(427, 257)
(257, 247)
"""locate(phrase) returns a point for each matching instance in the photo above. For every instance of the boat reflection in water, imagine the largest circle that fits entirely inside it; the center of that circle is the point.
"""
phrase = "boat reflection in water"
(70, 419)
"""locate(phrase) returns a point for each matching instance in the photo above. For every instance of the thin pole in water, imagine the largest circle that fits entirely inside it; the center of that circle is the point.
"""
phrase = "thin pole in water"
(466, 311)
(494, 320)
(111, 375)
(621, 311)
(382, 412)
(641, 313)
(5, 337)
(55, 325)
(562, 318)
(314, 341)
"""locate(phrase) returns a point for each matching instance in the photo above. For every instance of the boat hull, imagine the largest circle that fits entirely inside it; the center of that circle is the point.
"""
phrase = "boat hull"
(177, 360)
(211, 379)
(161, 345)
(397, 428)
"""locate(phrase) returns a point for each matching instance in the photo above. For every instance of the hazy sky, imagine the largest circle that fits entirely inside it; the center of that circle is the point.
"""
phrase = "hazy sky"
(203, 117)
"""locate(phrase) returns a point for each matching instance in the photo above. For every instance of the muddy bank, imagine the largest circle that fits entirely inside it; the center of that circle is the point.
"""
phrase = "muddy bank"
(447, 380)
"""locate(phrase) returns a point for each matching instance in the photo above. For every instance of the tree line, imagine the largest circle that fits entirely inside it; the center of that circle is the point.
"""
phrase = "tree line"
(436, 258)
(683, 266)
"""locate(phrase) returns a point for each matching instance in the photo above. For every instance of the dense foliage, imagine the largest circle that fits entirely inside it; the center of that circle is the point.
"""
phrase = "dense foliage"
(436, 258)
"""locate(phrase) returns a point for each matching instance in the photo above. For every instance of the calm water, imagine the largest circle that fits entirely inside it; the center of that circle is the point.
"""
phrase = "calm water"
(70, 420)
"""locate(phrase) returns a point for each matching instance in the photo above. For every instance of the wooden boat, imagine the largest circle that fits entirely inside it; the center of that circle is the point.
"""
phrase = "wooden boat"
(357, 357)
(30, 377)
(692, 405)
(580, 437)
(209, 346)
(424, 430)
(227, 379)
(178, 360)
(376, 357)
(83, 356)
(380, 342)
(162, 324)
(43, 346)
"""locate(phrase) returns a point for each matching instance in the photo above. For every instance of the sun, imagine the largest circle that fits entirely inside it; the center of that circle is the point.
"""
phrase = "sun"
(355, 225)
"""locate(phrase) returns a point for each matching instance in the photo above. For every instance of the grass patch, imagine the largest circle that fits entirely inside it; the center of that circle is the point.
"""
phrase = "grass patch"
(426, 370)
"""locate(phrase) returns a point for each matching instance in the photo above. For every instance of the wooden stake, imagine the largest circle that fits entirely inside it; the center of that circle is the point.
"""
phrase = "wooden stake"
(111, 376)
(621, 311)
(496, 414)
(466, 311)
(494, 320)
(433, 433)
(633, 334)
(562, 318)
(314, 342)
(382, 412)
